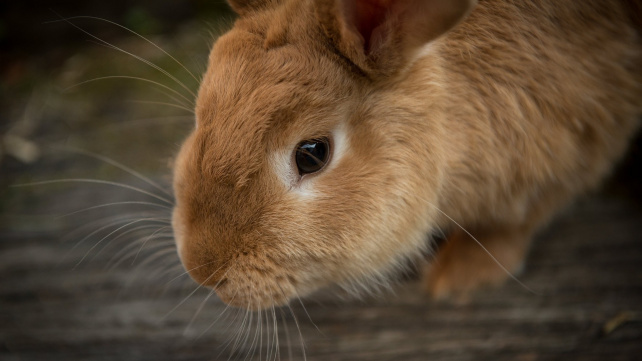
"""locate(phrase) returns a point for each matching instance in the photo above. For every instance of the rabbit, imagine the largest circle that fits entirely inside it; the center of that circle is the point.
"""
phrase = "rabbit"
(335, 138)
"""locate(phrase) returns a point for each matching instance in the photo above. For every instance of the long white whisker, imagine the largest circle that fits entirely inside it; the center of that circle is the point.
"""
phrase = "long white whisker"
(158, 84)
(118, 220)
(160, 250)
(167, 249)
(238, 333)
(263, 317)
(248, 331)
(177, 106)
(147, 239)
(296, 322)
(230, 335)
(275, 336)
(171, 267)
(257, 329)
(198, 310)
(106, 221)
(188, 271)
(95, 181)
(306, 312)
(287, 333)
(108, 44)
(192, 293)
(114, 204)
(176, 100)
(149, 63)
(227, 306)
(210, 294)
(111, 233)
(137, 34)
(128, 247)
(486, 250)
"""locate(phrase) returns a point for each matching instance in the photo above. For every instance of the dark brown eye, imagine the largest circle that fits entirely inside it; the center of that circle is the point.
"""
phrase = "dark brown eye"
(312, 155)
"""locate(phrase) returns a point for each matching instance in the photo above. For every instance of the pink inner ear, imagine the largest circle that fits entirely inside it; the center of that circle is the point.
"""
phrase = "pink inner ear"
(366, 16)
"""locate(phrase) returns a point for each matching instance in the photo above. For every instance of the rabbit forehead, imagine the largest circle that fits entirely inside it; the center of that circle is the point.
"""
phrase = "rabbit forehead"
(252, 98)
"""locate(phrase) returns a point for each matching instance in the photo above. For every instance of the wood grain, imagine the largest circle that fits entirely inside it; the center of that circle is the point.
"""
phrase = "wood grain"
(585, 269)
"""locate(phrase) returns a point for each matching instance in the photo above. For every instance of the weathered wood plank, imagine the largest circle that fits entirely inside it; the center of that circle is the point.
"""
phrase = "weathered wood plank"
(585, 269)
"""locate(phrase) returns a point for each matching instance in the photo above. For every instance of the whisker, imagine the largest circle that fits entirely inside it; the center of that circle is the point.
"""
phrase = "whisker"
(129, 77)
(135, 33)
(227, 306)
(117, 220)
(160, 250)
(170, 96)
(95, 181)
(146, 240)
(287, 333)
(108, 235)
(105, 221)
(121, 167)
(242, 346)
(275, 336)
(169, 270)
(237, 334)
(151, 64)
(487, 251)
(261, 333)
(198, 310)
(125, 250)
(192, 293)
(212, 292)
(177, 106)
(296, 322)
(163, 251)
(157, 255)
(252, 346)
(306, 312)
(188, 271)
(154, 120)
(230, 335)
(166, 257)
(113, 204)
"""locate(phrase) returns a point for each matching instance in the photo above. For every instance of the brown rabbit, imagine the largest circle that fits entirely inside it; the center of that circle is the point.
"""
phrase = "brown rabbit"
(334, 137)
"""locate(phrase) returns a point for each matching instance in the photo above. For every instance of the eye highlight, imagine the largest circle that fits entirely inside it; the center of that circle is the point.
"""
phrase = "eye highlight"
(312, 155)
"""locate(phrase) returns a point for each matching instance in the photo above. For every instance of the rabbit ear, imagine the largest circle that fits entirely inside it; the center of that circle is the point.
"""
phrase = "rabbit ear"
(382, 36)
(243, 7)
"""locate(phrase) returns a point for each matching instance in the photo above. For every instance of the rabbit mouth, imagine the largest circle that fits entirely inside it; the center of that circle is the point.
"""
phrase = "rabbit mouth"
(248, 287)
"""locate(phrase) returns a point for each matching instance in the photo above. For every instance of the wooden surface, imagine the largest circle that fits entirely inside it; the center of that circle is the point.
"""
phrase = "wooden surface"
(585, 268)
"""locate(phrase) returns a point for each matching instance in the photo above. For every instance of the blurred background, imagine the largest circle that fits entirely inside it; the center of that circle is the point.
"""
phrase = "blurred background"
(90, 117)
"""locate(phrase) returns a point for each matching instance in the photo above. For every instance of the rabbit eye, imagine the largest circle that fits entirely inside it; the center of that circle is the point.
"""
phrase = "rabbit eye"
(312, 155)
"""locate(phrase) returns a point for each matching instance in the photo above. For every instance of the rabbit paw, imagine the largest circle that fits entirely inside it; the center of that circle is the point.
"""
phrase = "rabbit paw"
(463, 266)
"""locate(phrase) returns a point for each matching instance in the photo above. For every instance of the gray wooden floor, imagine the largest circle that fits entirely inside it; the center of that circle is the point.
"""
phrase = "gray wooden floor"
(585, 268)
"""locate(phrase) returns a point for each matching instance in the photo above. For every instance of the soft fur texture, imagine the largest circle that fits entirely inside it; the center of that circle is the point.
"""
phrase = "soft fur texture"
(491, 115)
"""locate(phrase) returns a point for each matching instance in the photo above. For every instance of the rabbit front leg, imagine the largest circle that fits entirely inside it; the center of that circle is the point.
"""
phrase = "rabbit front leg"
(465, 264)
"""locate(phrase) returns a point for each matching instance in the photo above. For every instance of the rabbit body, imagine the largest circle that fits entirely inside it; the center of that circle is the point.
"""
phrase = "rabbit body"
(443, 115)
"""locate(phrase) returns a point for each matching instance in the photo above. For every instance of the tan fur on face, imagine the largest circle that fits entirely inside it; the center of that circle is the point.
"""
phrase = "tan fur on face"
(497, 124)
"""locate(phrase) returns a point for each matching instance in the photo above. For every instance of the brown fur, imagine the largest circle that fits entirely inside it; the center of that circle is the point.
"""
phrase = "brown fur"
(505, 119)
